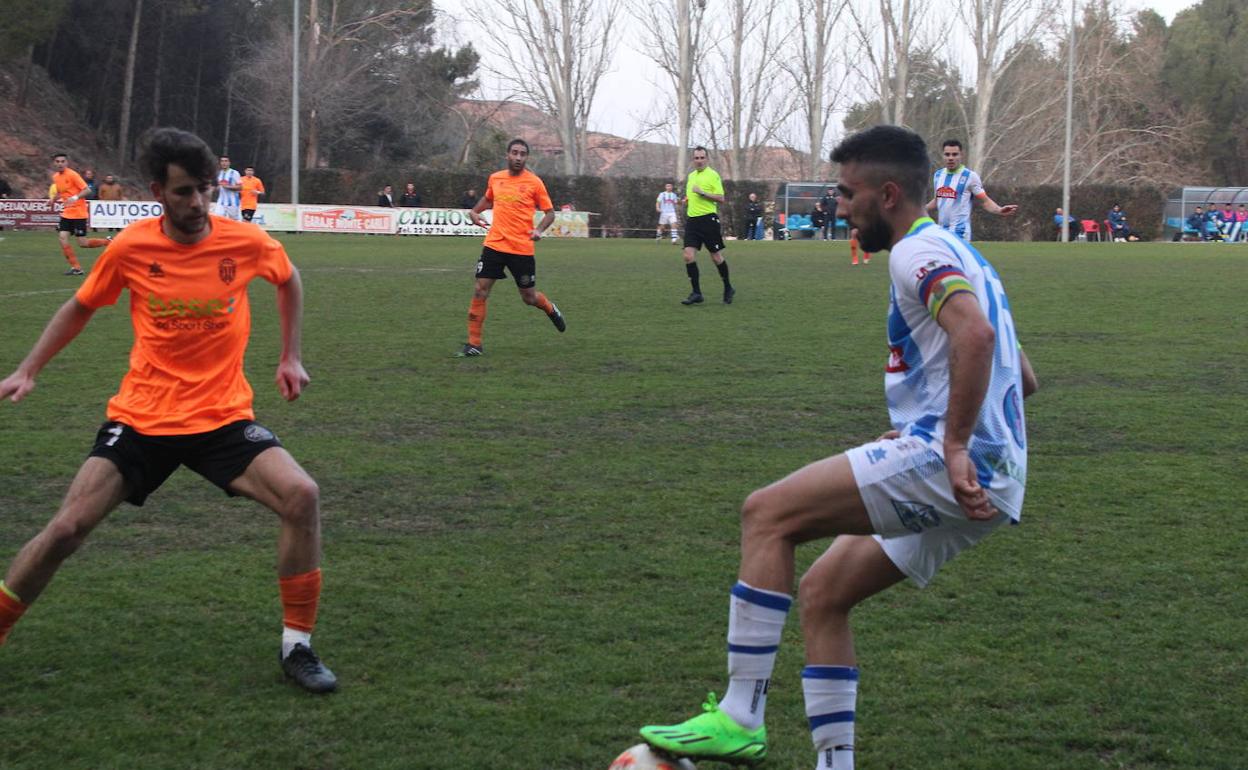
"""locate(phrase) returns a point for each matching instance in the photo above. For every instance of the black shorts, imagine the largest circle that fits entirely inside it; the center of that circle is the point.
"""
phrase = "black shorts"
(77, 227)
(704, 231)
(522, 268)
(248, 214)
(220, 456)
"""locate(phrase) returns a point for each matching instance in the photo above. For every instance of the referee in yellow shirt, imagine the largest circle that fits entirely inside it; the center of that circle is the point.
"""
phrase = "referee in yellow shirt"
(704, 191)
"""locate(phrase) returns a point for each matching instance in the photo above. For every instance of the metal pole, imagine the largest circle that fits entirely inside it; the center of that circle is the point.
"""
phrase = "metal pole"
(294, 113)
(1070, 122)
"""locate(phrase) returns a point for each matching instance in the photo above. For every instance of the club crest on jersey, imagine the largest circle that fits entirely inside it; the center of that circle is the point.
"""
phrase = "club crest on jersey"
(154, 270)
(945, 191)
(227, 269)
(895, 361)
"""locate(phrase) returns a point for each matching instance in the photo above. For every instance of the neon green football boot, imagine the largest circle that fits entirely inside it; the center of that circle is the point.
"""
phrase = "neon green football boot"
(710, 735)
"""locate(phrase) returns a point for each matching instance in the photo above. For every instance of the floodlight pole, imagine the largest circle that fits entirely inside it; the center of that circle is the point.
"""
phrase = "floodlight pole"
(1070, 121)
(294, 112)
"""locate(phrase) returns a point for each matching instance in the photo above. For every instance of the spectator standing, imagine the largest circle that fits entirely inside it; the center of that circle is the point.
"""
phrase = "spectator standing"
(385, 198)
(93, 187)
(828, 201)
(819, 220)
(1117, 219)
(110, 190)
(753, 219)
(469, 199)
(5, 190)
(253, 188)
(410, 199)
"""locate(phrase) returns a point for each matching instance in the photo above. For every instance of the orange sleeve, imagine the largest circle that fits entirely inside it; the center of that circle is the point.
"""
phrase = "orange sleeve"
(489, 189)
(103, 286)
(274, 266)
(543, 198)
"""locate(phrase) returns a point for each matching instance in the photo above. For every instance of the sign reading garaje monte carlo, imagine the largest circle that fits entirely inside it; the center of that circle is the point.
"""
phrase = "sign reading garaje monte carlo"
(122, 213)
(346, 219)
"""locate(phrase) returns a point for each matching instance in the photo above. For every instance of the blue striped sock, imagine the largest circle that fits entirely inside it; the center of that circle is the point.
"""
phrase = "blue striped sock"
(755, 625)
(831, 693)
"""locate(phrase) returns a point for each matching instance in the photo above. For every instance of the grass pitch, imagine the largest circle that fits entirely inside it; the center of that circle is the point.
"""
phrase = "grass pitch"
(527, 555)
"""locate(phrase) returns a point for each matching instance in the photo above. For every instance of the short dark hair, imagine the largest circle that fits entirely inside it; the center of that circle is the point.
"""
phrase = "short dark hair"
(951, 143)
(56, 155)
(894, 153)
(162, 146)
(519, 141)
(703, 149)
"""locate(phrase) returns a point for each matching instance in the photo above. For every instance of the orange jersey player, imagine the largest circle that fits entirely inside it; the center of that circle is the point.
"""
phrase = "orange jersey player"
(185, 400)
(514, 194)
(253, 188)
(72, 191)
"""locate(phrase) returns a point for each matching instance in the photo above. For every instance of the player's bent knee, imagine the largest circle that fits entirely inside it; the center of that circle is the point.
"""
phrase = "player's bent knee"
(65, 535)
(301, 502)
(759, 515)
(818, 594)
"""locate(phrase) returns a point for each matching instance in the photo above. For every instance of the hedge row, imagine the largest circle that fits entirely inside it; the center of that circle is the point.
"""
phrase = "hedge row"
(625, 206)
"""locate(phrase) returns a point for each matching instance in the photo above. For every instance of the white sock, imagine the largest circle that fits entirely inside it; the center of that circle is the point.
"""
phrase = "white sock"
(831, 693)
(755, 624)
(291, 637)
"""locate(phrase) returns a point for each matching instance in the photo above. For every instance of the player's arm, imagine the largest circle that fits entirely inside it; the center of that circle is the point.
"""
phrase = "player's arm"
(548, 218)
(971, 344)
(1030, 383)
(65, 325)
(291, 376)
(475, 214)
(992, 207)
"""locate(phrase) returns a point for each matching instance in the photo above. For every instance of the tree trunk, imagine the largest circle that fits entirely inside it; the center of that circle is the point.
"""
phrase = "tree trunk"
(123, 133)
(684, 84)
(159, 67)
(24, 89)
(312, 136)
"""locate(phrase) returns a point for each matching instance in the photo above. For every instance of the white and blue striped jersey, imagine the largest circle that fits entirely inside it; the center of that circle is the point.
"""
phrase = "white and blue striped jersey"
(227, 197)
(955, 194)
(927, 267)
(667, 202)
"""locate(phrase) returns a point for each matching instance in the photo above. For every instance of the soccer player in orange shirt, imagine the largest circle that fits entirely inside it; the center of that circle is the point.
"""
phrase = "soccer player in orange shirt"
(185, 400)
(72, 190)
(253, 188)
(514, 194)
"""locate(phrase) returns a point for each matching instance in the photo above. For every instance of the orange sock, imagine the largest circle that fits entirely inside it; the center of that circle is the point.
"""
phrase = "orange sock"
(300, 593)
(476, 319)
(70, 257)
(11, 608)
(95, 243)
(544, 304)
(853, 250)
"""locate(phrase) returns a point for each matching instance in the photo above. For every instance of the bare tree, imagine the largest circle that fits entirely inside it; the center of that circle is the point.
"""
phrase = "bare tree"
(678, 58)
(1000, 31)
(737, 110)
(814, 73)
(889, 35)
(570, 44)
(127, 93)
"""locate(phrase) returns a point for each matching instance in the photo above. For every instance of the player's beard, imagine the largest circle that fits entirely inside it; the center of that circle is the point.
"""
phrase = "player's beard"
(876, 236)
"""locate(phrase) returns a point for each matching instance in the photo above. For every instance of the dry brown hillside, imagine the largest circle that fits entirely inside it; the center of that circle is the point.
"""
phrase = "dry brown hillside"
(609, 155)
(50, 122)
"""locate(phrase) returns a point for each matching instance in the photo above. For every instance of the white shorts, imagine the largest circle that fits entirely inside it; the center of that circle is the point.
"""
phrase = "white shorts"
(230, 212)
(918, 522)
(667, 219)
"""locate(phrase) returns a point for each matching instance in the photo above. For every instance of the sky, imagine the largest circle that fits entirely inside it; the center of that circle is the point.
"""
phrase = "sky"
(626, 100)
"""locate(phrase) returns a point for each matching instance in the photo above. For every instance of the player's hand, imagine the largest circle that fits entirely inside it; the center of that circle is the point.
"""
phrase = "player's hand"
(16, 386)
(535, 235)
(889, 434)
(966, 489)
(291, 379)
(1010, 210)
